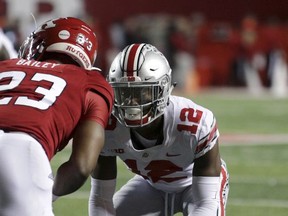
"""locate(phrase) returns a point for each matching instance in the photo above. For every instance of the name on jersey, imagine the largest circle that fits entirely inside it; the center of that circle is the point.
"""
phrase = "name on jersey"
(36, 63)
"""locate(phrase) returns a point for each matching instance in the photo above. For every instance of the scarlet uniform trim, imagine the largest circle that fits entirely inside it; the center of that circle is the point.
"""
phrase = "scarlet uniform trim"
(131, 60)
(207, 141)
(223, 182)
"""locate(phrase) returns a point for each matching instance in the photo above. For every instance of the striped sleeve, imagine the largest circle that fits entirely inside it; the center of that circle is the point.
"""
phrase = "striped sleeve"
(208, 135)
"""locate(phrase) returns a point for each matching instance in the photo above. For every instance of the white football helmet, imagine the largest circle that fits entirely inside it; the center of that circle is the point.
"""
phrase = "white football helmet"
(141, 78)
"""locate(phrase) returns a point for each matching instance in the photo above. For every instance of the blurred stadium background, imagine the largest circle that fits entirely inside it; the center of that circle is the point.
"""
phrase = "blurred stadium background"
(230, 56)
(208, 43)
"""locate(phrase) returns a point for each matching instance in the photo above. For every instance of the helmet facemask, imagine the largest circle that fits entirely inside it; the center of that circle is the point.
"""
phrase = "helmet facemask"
(135, 104)
(31, 48)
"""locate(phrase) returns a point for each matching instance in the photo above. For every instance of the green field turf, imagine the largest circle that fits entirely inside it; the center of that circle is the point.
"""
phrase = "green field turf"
(258, 173)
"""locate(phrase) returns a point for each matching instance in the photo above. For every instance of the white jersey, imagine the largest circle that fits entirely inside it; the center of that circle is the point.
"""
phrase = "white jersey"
(189, 132)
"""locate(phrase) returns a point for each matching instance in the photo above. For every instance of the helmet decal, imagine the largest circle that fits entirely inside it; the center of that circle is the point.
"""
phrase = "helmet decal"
(70, 36)
(132, 59)
(64, 34)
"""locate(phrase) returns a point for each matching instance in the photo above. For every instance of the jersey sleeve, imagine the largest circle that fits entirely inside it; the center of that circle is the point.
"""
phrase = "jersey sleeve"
(96, 109)
(101, 87)
(99, 98)
(207, 135)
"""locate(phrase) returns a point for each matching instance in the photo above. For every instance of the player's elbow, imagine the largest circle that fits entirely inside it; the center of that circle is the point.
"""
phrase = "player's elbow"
(85, 168)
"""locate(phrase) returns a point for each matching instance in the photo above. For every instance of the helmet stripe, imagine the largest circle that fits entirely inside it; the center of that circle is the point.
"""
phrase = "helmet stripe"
(132, 57)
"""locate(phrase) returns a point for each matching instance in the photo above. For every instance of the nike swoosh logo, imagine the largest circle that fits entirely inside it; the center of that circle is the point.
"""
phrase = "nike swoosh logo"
(148, 78)
(172, 155)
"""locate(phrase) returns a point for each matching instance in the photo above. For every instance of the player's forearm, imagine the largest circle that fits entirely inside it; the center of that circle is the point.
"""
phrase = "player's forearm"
(209, 164)
(68, 179)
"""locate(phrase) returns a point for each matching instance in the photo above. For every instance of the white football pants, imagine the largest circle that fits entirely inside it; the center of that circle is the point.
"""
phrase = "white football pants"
(138, 197)
(25, 186)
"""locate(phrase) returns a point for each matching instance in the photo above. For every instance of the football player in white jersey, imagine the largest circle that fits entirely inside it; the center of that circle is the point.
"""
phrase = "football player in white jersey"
(169, 142)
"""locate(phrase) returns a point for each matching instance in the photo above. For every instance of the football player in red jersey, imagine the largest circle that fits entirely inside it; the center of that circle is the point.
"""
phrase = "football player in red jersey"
(169, 142)
(49, 95)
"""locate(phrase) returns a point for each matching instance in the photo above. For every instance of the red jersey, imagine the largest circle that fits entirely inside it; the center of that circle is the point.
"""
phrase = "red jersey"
(47, 100)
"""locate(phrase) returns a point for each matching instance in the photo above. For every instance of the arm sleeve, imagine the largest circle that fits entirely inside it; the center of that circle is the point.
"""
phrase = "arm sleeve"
(208, 134)
(205, 192)
(101, 197)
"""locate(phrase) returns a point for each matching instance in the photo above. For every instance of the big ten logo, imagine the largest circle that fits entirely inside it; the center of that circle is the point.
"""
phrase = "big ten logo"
(118, 151)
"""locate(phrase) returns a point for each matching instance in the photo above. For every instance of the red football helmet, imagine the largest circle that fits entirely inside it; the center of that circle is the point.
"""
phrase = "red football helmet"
(69, 35)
